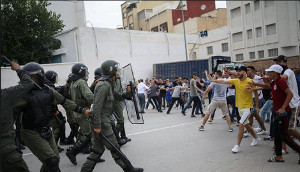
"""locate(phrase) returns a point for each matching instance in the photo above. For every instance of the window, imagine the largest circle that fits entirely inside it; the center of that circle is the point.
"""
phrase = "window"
(256, 5)
(237, 37)
(261, 54)
(249, 34)
(252, 55)
(258, 32)
(271, 29)
(239, 57)
(141, 15)
(154, 29)
(224, 47)
(164, 27)
(194, 55)
(269, 3)
(247, 8)
(273, 52)
(131, 26)
(236, 12)
(209, 50)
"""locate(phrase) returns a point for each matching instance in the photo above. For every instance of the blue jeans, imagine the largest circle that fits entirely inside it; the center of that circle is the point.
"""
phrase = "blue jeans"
(149, 101)
(142, 101)
(196, 103)
(266, 109)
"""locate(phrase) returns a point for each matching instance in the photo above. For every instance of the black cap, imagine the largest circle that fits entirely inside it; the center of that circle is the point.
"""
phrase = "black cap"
(280, 58)
(244, 68)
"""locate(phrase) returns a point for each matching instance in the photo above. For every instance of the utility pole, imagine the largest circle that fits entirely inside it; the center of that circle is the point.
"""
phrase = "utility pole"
(186, 54)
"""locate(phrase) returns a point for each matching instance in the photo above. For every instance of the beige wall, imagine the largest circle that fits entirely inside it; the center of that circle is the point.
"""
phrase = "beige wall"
(140, 6)
(208, 21)
(157, 20)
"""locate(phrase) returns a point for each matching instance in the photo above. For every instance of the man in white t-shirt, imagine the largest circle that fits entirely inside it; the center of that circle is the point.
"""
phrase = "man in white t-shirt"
(290, 77)
(142, 88)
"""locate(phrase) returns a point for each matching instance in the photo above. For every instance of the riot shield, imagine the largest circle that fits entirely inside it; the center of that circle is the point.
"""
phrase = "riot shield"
(133, 107)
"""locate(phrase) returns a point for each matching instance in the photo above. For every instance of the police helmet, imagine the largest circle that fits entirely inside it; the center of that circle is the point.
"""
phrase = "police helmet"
(109, 68)
(51, 76)
(98, 73)
(80, 70)
(34, 68)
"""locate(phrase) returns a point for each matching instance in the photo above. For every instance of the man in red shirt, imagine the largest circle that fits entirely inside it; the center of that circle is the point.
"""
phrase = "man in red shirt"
(282, 95)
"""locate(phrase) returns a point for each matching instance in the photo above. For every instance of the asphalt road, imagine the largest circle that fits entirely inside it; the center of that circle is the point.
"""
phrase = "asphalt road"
(172, 142)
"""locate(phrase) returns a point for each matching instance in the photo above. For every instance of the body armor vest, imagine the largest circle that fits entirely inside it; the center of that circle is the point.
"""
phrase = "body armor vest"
(39, 110)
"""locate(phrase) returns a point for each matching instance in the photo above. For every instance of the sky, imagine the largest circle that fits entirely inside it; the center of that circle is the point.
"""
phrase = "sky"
(107, 14)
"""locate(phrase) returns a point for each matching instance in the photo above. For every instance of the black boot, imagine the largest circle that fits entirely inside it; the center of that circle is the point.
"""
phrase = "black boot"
(120, 141)
(100, 160)
(133, 169)
(71, 154)
(60, 149)
(123, 133)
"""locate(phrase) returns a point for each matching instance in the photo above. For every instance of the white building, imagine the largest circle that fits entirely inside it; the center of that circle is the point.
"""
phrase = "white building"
(216, 43)
(261, 30)
(72, 13)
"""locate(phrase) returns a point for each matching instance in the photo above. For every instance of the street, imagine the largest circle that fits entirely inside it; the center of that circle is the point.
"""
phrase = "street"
(172, 142)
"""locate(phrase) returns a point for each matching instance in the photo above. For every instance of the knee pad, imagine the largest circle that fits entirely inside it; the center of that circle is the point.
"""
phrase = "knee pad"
(53, 164)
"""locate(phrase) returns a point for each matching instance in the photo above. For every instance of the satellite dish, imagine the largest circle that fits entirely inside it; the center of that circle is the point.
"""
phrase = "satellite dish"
(203, 7)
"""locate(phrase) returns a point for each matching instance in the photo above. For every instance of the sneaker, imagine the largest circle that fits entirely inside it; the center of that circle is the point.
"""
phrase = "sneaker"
(236, 149)
(210, 120)
(230, 129)
(255, 141)
(193, 115)
(245, 135)
(201, 128)
(267, 121)
(257, 130)
(263, 132)
(268, 138)
(183, 113)
(224, 117)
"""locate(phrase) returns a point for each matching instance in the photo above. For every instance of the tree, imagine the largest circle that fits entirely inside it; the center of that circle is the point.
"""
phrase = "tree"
(28, 29)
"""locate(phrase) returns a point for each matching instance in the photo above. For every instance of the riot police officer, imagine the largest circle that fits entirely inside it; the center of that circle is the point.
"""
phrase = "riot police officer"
(81, 94)
(117, 106)
(100, 122)
(11, 160)
(97, 73)
(58, 122)
(37, 107)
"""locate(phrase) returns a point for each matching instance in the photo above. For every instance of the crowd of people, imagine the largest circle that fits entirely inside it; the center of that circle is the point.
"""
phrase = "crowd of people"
(95, 113)
(270, 96)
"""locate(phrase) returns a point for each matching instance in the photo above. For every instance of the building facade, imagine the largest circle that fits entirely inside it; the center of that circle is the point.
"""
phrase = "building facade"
(161, 16)
(262, 30)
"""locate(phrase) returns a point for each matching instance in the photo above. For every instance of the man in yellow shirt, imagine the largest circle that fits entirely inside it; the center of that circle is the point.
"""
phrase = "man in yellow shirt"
(244, 102)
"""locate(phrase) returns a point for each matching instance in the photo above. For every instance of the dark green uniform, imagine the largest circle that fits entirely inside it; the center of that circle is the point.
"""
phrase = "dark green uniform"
(11, 160)
(45, 149)
(102, 113)
(81, 94)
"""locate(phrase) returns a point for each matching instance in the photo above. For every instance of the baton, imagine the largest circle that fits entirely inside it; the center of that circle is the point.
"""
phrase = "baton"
(6, 62)
(117, 151)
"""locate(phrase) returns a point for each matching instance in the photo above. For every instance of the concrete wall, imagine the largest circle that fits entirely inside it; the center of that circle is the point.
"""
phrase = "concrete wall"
(141, 49)
(72, 12)
(10, 78)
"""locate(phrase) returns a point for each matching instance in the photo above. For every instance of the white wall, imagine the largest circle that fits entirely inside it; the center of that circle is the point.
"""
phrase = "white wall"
(215, 39)
(72, 12)
(10, 78)
(141, 49)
